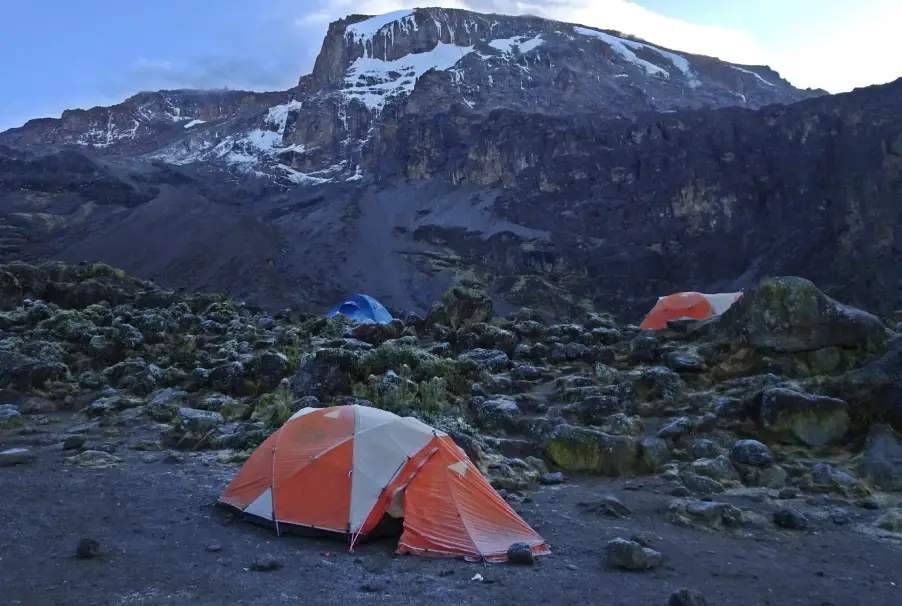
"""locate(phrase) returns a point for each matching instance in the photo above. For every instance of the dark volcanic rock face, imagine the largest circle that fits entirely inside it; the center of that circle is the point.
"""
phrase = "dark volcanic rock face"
(690, 200)
(558, 166)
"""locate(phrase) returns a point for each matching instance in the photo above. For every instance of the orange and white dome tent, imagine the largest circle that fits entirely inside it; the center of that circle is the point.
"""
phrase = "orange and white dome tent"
(341, 469)
(693, 305)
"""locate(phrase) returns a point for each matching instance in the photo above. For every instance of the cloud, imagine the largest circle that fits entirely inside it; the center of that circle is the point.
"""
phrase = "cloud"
(313, 19)
(248, 73)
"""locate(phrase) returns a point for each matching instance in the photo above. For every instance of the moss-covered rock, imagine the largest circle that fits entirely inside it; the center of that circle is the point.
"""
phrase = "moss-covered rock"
(801, 418)
(10, 417)
(790, 314)
(881, 460)
(584, 450)
(463, 306)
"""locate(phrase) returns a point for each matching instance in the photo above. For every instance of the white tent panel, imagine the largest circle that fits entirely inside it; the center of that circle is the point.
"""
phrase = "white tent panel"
(379, 454)
(262, 505)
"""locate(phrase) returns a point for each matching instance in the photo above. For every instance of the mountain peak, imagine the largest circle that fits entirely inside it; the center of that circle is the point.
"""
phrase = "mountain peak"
(374, 70)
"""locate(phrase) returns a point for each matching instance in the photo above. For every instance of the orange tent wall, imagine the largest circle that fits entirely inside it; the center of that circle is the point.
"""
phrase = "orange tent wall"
(680, 305)
(451, 510)
(310, 454)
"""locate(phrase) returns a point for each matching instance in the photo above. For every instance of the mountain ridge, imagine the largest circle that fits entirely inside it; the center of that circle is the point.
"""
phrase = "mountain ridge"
(554, 168)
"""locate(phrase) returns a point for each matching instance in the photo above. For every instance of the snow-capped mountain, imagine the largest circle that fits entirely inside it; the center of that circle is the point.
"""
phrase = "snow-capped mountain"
(372, 71)
(561, 167)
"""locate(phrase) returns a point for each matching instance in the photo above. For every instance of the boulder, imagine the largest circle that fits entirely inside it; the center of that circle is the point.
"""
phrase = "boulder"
(23, 371)
(823, 477)
(719, 468)
(584, 450)
(790, 314)
(496, 413)
(487, 359)
(751, 452)
(165, 404)
(705, 514)
(630, 555)
(267, 369)
(198, 422)
(134, 375)
(16, 456)
(10, 417)
(890, 521)
(880, 462)
(660, 388)
(324, 372)
(801, 418)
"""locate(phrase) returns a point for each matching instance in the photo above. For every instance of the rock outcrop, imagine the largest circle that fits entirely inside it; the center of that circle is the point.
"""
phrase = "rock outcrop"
(525, 399)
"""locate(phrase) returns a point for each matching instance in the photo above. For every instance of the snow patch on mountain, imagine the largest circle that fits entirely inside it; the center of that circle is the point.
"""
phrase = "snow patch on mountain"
(623, 47)
(522, 43)
(748, 71)
(195, 123)
(374, 82)
(256, 151)
(365, 31)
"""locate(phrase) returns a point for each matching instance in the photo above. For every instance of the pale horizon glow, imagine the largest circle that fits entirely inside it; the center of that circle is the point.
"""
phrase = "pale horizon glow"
(99, 53)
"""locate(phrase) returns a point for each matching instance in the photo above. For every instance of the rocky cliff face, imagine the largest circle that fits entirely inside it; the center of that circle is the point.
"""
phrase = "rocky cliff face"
(367, 71)
(558, 166)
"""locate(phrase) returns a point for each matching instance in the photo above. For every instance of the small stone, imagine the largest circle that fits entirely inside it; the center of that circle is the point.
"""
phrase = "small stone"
(610, 506)
(751, 452)
(891, 521)
(87, 548)
(551, 478)
(686, 597)
(214, 547)
(840, 517)
(73, 442)
(788, 493)
(630, 555)
(173, 458)
(16, 456)
(793, 519)
(266, 563)
(642, 540)
(680, 491)
(10, 417)
(869, 504)
(520, 553)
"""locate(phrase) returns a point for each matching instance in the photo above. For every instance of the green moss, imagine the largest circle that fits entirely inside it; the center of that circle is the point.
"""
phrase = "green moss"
(9, 284)
(102, 270)
(293, 353)
(274, 408)
(587, 451)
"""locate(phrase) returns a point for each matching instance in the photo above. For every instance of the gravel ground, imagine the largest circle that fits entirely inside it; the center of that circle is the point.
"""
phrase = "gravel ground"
(162, 542)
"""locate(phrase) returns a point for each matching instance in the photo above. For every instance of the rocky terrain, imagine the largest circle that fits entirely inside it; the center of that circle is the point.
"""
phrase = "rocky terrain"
(751, 459)
(551, 165)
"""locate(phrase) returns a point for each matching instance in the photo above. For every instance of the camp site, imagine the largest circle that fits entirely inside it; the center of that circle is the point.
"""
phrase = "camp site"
(546, 303)
(458, 455)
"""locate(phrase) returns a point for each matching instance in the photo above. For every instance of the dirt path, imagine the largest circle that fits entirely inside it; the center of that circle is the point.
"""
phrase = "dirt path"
(164, 544)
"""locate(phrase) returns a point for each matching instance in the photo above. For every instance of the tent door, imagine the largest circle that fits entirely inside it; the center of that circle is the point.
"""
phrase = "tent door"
(396, 507)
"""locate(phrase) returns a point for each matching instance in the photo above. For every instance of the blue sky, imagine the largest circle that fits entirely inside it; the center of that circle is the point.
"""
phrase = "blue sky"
(59, 54)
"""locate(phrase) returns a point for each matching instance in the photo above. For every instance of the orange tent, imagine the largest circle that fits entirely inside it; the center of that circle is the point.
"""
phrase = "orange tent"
(342, 469)
(693, 305)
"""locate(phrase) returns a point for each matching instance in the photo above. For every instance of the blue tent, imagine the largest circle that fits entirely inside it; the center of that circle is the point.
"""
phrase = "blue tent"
(362, 308)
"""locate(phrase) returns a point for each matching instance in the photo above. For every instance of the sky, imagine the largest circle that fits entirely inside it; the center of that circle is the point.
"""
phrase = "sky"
(62, 54)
